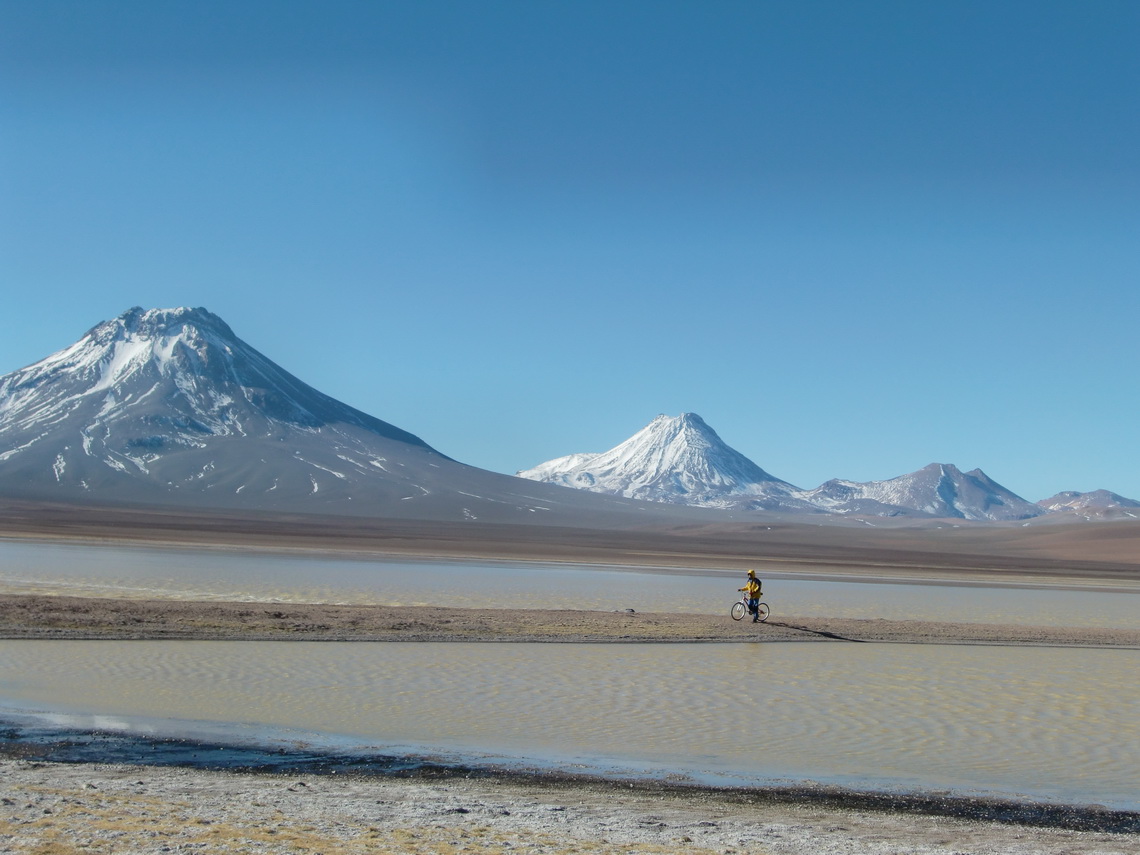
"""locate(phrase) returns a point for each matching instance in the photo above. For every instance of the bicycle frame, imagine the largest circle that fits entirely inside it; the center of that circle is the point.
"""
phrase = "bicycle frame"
(761, 613)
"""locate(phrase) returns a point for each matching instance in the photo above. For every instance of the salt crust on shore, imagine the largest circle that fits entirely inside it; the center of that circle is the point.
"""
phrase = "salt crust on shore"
(62, 809)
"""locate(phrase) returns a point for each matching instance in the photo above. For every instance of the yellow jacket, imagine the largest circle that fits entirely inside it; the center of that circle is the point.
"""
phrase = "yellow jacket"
(752, 586)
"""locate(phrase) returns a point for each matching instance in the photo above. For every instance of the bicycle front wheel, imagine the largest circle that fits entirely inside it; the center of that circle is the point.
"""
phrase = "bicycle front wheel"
(737, 611)
(762, 611)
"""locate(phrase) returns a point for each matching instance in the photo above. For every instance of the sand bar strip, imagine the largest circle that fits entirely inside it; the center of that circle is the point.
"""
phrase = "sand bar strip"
(65, 617)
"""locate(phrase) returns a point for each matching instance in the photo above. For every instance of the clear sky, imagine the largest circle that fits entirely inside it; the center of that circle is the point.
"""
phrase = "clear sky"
(856, 237)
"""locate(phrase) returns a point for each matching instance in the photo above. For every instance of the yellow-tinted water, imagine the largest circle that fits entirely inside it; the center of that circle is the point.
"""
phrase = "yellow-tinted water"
(1048, 722)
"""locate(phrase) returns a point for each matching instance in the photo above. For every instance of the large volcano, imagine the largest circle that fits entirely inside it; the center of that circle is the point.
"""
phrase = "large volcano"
(168, 406)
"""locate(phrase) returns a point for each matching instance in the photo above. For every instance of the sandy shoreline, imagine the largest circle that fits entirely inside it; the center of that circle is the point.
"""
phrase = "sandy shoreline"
(65, 617)
(50, 807)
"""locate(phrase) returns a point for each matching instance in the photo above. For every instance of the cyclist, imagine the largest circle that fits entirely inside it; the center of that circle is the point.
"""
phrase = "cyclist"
(752, 588)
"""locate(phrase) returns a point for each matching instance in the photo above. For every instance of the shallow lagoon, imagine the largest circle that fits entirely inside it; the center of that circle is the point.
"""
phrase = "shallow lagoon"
(1043, 723)
(278, 577)
(1051, 723)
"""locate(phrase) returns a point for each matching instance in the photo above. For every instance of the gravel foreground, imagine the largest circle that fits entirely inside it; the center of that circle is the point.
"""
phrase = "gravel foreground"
(64, 808)
(64, 617)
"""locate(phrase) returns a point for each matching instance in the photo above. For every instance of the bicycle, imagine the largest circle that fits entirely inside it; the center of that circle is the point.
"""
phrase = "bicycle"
(740, 609)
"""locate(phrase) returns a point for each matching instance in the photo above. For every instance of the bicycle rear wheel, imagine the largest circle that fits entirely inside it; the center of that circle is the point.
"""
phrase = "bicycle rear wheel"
(737, 611)
(762, 611)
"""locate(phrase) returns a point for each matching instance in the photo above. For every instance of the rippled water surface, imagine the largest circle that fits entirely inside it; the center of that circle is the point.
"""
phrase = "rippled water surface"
(217, 574)
(1042, 722)
(1047, 722)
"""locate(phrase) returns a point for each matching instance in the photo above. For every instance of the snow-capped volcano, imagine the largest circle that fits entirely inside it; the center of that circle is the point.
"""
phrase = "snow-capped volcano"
(146, 371)
(1097, 504)
(939, 490)
(677, 460)
(682, 461)
(171, 398)
(168, 406)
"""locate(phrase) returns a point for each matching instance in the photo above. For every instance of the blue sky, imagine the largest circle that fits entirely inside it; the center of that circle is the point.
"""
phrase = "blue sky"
(856, 237)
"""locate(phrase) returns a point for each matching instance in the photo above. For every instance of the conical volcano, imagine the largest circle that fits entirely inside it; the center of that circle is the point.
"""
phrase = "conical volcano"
(169, 406)
(678, 460)
(171, 401)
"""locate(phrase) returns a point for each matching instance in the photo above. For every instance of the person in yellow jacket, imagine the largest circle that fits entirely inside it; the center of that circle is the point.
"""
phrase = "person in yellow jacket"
(752, 588)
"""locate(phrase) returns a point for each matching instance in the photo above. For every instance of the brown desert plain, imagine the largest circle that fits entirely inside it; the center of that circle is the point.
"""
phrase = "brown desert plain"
(52, 807)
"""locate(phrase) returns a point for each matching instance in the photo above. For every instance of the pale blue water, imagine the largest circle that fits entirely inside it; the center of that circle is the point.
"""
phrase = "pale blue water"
(224, 575)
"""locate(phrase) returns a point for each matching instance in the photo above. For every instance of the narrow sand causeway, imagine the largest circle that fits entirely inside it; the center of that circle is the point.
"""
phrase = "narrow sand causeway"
(45, 617)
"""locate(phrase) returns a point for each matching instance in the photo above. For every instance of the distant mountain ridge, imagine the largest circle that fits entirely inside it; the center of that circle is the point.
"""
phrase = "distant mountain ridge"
(170, 407)
(1097, 504)
(683, 461)
(938, 490)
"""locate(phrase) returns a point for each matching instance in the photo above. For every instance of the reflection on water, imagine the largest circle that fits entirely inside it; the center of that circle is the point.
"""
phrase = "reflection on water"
(1052, 723)
(216, 574)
